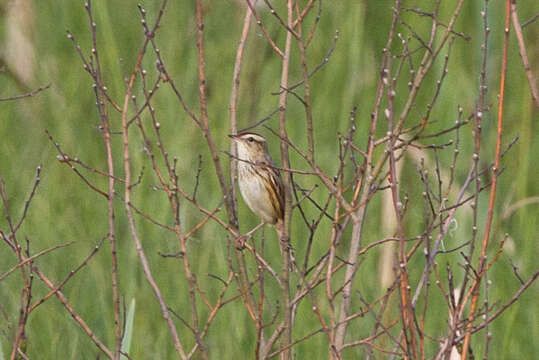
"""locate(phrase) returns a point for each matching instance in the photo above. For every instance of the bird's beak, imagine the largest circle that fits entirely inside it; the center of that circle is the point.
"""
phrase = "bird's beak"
(232, 136)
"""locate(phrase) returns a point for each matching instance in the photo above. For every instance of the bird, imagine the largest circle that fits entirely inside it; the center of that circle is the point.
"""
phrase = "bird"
(260, 182)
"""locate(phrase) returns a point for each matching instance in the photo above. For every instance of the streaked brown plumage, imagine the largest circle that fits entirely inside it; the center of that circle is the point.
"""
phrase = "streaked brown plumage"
(260, 183)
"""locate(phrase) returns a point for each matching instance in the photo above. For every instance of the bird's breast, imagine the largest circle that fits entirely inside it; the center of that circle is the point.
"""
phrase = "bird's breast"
(254, 192)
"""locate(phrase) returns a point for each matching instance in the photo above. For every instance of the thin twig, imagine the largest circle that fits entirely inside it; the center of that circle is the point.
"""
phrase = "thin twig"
(30, 94)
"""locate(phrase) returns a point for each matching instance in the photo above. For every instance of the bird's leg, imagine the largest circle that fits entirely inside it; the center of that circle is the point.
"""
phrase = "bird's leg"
(285, 244)
(253, 230)
(279, 226)
(242, 239)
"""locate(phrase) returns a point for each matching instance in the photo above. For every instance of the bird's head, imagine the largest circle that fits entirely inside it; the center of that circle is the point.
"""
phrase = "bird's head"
(251, 146)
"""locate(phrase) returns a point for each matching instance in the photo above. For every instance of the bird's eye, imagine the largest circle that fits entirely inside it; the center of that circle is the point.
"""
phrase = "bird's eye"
(250, 139)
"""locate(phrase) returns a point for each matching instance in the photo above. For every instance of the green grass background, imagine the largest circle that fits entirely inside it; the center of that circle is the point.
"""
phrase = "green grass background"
(65, 209)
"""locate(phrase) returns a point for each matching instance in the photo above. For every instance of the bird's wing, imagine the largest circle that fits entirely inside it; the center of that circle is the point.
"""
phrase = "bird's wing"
(277, 182)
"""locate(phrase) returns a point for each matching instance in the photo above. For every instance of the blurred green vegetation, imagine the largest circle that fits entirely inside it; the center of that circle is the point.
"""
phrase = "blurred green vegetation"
(65, 209)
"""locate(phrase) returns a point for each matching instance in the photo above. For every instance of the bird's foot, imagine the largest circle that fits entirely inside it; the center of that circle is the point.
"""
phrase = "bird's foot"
(240, 242)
